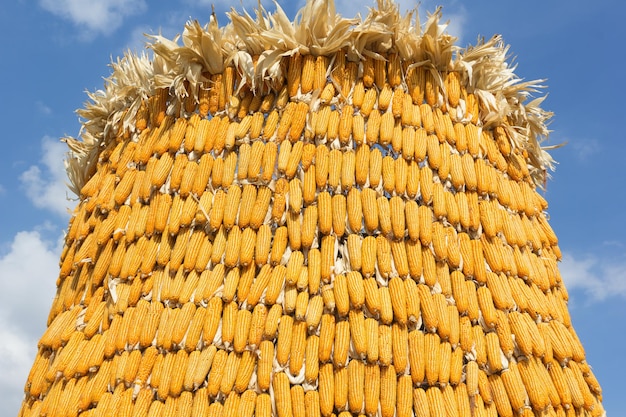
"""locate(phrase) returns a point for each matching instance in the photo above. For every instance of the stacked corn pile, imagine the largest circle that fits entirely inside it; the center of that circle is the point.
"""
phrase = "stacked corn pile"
(344, 222)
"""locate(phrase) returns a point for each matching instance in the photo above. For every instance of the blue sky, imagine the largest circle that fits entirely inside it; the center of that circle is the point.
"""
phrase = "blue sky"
(57, 50)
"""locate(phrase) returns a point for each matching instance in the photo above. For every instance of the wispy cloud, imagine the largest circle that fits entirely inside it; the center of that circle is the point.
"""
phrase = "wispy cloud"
(43, 108)
(584, 148)
(44, 184)
(27, 291)
(597, 277)
(96, 16)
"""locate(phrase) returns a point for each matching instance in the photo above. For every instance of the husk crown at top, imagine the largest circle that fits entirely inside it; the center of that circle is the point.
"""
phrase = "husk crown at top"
(255, 45)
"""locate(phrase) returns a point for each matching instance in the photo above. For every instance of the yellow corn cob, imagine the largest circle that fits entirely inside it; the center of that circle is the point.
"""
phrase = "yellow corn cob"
(471, 378)
(354, 210)
(294, 265)
(326, 389)
(368, 71)
(309, 186)
(228, 173)
(369, 209)
(294, 231)
(383, 256)
(371, 339)
(311, 358)
(247, 247)
(471, 134)
(259, 209)
(283, 344)
(500, 396)
(264, 366)
(439, 123)
(341, 343)
(500, 291)
(321, 121)
(334, 172)
(332, 130)
(375, 167)
(388, 171)
(356, 375)
(341, 295)
(339, 214)
(326, 337)
(514, 387)
(428, 308)
(231, 206)
(371, 296)
(313, 270)
(575, 372)
(387, 123)
(397, 215)
(487, 309)
(255, 163)
(398, 300)
(535, 386)
(298, 345)
(386, 308)
(259, 285)
(270, 154)
(380, 72)
(327, 94)
(562, 384)
(400, 345)
(426, 116)
(367, 106)
(308, 73)
(388, 391)
(520, 330)
(354, 251)
(344, 127)
(394, 70)
(327, 257)
(231, 404)
(397, 102)
(263, 407)
(453, 88)
(262, 245)
(493, 352)
(298, 121)
(408, 139)
(400, 258)
(297, 401)
(431, 90)
(289, 159)
(480, 345)
(384, 215)
(357, 332)
(432, 357)
(358, 94)
(321, 165)
(348, 170)
(294, 74)
(479, 268)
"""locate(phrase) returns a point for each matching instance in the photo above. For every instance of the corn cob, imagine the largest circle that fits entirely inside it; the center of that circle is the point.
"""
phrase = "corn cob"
(514, 386)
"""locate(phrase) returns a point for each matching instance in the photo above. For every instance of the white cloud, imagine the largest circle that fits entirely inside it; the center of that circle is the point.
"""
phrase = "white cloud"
(45, 184)
(28, 272)
(597, 277)
(43, 108)
(95, 16)
(585, 148)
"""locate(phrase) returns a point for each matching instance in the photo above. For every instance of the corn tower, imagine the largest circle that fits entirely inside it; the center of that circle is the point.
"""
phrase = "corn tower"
(318, 217)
